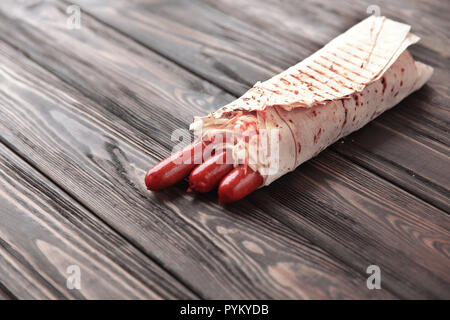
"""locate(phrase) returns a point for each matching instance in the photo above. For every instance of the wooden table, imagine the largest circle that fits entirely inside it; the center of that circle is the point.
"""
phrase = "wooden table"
(86, 111)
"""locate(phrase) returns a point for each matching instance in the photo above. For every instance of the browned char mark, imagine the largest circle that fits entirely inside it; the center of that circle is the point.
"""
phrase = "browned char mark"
(317, 136)
(384, 83)
(345, 68)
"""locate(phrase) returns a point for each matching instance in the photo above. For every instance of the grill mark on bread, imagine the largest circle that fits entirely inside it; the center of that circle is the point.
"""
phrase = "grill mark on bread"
(273, 91)
(364, 51)
(349, 53)
(346, 68)
(353, 64)
(325, 83)
(308, 84)
(349, 79)
(285, 81)
(317, 80)
(341, 83)
(363, 60)
(286, 89)
(334, 62)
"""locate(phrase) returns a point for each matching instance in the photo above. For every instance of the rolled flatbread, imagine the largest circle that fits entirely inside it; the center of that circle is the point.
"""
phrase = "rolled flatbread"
(337, 90)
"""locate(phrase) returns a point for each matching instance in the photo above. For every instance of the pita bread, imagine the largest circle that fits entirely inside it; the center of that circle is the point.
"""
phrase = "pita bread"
(337, 90)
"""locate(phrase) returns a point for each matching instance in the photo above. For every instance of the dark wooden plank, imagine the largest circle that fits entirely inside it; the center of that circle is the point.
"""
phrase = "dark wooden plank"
(43, 232)
(144, 93)
(255, 223)
(361, 220)
(239, 254)
(234, 45)
(4, 294)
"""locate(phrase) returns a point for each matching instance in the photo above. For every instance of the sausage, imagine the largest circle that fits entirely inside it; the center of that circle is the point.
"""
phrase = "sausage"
(207, 176)
(239, 183)
(173, 169)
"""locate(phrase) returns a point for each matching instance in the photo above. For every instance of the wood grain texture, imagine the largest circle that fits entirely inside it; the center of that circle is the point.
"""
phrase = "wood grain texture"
(238, 254)
(4, 294)
(310, 235)
(141, 92)
(372, 224)
(43, 232)
(219, 39)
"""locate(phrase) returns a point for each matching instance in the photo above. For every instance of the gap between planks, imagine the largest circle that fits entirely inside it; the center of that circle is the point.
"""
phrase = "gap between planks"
(140, 45)
(5, 294)
(112, 228)
(372, 171)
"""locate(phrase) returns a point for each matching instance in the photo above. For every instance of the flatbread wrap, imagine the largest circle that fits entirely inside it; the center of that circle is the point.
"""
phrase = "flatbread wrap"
(337, 90)
(280, 123)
